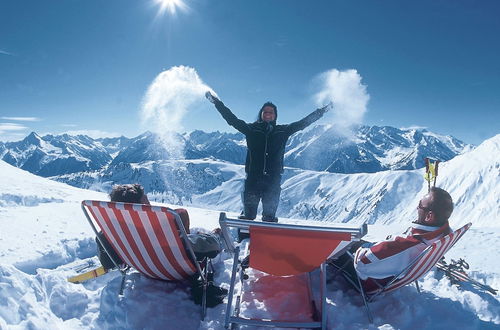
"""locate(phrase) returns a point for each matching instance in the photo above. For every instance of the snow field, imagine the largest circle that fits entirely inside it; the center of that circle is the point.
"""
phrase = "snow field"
(44, 236)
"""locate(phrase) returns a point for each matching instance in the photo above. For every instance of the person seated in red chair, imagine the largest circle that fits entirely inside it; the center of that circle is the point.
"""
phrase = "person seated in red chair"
(383, 260)
(204, 245)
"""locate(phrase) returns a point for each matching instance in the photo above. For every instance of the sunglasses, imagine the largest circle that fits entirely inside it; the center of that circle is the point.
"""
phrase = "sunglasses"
(426, 209)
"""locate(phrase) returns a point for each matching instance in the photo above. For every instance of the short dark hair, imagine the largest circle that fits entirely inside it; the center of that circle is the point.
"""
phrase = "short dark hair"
(441, 204)
(127, 193)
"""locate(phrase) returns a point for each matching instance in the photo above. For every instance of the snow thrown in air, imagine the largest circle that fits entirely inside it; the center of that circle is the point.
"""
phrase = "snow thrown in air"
(348, 95)
(167, 100)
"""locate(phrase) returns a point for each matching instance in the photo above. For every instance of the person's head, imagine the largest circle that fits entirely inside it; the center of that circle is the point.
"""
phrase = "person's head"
(435, 208)
(268, 112)
(128, 193)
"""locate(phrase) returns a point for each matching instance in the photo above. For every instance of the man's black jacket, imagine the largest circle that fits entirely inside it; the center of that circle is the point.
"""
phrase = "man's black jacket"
(266, 141)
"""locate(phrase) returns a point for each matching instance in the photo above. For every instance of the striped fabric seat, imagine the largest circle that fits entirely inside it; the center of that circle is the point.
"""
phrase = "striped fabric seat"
(422, 264)
(147, 238)
(425, 261)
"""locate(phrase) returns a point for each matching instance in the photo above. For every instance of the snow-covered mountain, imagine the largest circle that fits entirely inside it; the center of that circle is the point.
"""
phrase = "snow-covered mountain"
(319, 148)
(55, 155)
(371, 149)
(230, 147)
(115, 144)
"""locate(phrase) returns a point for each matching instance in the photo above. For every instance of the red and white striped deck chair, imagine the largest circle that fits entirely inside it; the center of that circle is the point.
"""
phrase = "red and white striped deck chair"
(422, 264)
(286, 250)
(151, 239)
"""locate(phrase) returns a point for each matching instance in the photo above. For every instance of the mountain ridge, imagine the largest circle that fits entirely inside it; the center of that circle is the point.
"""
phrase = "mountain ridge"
(319, 148)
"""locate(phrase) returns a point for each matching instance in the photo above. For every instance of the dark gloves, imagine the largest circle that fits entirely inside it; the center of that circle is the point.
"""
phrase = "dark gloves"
(212, 98)
(327, 107)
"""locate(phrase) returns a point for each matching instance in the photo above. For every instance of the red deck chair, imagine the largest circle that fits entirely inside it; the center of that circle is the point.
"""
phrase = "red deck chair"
(151, 239)
(286, 250)
(416, 269)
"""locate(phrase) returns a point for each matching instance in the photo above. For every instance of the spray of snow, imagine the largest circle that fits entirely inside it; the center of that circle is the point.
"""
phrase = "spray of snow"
(348, 95)
(167, 101)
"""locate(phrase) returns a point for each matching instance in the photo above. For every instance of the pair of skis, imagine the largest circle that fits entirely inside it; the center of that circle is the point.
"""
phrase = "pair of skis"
(88, 274)
(455, 271)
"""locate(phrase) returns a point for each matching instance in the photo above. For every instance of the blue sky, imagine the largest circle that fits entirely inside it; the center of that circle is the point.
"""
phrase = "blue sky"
(86, 65)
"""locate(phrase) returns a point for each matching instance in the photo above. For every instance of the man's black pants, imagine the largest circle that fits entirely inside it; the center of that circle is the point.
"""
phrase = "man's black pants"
(261, 187)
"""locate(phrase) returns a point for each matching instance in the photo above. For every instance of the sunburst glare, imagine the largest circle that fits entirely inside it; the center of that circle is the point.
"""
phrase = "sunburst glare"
(170, 6)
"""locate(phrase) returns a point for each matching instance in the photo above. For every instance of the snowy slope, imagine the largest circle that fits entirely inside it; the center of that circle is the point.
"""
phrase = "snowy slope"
(382, 197)
(43, 233)
(472, 179)
(38, 215)
(475, 181)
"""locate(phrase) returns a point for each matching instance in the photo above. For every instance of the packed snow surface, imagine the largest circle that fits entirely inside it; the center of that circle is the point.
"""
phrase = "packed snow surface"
(44, 237)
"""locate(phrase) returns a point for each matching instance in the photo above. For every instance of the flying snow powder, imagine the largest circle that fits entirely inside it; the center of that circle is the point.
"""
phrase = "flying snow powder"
(167, 101)
(347, 93)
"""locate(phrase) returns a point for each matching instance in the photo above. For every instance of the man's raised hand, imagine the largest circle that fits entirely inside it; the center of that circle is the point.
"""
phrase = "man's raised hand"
(211, 97)
(327, 107)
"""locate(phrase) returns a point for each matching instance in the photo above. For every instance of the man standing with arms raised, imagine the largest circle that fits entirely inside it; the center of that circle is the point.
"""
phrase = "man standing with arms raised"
(266, 148)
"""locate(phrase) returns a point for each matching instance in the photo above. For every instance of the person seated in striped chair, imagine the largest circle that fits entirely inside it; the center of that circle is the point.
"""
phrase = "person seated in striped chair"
(381, 261)
(204, 244)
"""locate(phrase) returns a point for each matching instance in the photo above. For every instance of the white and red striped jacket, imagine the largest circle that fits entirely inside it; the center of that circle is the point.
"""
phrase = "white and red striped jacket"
(385, 259)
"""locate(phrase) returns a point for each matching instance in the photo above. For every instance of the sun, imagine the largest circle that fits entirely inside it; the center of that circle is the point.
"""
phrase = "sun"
(170, 6)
